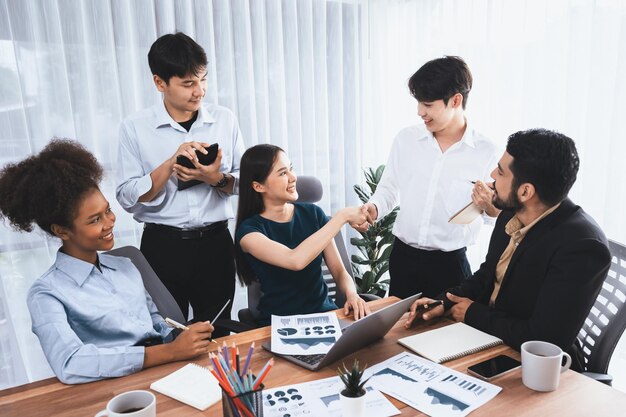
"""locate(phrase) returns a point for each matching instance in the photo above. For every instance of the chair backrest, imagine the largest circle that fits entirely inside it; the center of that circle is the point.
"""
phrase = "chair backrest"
(161, 296)
(310, 190)
(607, 319)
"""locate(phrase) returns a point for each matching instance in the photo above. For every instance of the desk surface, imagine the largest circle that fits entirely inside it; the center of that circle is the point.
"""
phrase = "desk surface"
(576, 395)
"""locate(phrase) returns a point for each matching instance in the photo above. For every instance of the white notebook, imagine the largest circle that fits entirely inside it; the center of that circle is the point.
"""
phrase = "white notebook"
(449, 342)
(192, 384)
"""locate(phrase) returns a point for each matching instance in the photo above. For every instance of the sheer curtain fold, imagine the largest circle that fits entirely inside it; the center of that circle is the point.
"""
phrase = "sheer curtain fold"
(77, 68)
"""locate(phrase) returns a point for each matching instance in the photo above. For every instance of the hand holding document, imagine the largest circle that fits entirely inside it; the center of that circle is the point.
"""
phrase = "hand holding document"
(466, 215)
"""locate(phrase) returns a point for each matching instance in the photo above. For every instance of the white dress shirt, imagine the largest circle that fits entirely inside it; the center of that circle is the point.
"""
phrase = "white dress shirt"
(150, 137)
(431, 186)
(88, 320)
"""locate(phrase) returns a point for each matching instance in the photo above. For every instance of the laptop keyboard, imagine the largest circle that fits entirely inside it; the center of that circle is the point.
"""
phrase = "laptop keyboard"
(310, 359)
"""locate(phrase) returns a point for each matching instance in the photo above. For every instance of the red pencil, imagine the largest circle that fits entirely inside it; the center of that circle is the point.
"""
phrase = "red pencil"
(226, 387)
(263, 374)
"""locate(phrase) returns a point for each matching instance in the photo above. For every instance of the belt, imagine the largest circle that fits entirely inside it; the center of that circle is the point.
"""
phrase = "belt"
(179, 233)
(435, 253)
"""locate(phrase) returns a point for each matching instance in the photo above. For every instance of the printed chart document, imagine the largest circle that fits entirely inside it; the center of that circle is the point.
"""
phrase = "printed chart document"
(320, 398)
(428, 387)
(305, 334)
(466, 215)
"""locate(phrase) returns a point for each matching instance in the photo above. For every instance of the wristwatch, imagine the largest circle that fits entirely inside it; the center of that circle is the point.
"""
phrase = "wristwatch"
(221, 183)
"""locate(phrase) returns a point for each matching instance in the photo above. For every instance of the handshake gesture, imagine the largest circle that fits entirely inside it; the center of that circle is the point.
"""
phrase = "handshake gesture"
(357, 217)
(370, 213)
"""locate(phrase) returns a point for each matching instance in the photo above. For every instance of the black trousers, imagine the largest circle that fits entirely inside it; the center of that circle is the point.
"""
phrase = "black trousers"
(200, 272)
(429, 272)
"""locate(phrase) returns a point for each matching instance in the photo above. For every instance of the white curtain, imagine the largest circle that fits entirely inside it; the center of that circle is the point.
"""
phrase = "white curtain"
(288, 69)
(557, 64)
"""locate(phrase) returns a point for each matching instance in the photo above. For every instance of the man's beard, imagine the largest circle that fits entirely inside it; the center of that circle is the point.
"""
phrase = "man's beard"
(512, 203)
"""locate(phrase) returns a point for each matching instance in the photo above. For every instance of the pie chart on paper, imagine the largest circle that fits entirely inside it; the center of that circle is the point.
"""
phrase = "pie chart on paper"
(287, 331)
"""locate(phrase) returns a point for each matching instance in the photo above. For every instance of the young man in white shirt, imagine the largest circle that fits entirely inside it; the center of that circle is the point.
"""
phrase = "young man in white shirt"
(430, 173)
(185, 238)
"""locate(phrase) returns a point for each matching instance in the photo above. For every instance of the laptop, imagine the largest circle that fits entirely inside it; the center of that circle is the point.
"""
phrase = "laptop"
(358, 334)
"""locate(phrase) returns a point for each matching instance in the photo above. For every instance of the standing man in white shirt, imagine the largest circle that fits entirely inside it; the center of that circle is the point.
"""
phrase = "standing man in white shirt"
(185, 238)
(430, 173)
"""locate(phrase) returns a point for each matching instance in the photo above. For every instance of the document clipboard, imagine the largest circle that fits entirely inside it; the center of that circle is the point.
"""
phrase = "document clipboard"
(466, 215)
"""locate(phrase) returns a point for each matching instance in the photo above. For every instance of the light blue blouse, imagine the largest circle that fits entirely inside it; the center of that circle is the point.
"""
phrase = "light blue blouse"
(87, 321)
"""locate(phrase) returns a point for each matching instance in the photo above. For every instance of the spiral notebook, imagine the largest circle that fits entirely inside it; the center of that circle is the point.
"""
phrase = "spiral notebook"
(450, 342)
(192, 384)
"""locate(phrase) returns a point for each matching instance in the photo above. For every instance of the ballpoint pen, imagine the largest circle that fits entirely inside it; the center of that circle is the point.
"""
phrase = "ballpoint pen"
(217, 315)
(175, 324)
(220, 312)
(430, 306)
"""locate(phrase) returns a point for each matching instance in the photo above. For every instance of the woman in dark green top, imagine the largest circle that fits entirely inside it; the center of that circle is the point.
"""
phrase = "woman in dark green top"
(280, 243)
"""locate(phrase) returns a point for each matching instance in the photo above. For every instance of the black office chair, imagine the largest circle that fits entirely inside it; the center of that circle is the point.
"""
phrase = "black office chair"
(310, 190)
(606, 321)
(164, 301)
(161, 296)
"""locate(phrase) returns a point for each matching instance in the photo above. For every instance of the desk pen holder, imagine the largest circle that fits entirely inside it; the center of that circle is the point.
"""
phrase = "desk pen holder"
(252, 401)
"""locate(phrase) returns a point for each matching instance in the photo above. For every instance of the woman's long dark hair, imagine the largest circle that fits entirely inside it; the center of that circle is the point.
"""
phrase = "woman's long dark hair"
(256, 165)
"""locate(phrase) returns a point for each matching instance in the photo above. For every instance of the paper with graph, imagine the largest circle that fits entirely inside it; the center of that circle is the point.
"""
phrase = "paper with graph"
(320, 398)
(304, 334)
(430, 388)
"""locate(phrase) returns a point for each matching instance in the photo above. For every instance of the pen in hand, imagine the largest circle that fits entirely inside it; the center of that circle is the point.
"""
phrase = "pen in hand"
(217, 315)
(220, 312)
(425, 307)
(175, 324)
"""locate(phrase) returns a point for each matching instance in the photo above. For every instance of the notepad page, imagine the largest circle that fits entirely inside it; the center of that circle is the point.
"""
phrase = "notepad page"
(450, 342)
(466, 215)
(192, 384)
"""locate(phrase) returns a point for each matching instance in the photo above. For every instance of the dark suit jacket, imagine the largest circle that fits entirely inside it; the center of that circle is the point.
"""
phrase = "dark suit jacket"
(550, 284)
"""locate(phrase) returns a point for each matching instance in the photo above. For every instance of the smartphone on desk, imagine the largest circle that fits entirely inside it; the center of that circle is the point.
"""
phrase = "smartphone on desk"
(204, 159)
(494, 367)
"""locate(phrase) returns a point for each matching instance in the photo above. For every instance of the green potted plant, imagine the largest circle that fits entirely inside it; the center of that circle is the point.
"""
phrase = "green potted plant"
(352, 397)
(370, 266)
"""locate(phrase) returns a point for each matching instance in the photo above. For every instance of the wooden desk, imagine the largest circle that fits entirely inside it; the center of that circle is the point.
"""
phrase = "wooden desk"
(576, 395)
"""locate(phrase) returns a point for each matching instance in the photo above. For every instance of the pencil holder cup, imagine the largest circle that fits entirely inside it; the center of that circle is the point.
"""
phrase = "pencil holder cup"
(247, 404)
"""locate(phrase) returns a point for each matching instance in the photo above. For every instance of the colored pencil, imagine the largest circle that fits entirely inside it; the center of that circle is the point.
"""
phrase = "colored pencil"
(245, 366)
(263, 374)
(225, 353)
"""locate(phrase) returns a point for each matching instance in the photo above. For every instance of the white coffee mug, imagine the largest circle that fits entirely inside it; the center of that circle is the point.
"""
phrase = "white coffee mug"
(541, 365)
(131, 404)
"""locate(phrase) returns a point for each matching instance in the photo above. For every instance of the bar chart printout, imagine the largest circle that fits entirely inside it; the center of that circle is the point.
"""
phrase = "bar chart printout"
(429, 387)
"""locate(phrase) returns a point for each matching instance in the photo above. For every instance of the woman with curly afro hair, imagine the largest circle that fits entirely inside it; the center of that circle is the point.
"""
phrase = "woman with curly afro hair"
(90, 311)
